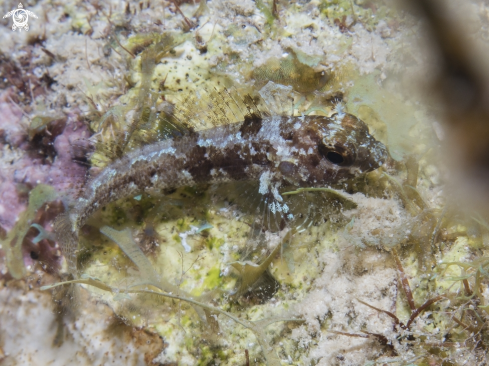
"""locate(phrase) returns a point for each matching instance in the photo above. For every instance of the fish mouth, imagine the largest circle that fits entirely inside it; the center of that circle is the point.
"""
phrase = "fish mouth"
(380, 155)
(377, 156)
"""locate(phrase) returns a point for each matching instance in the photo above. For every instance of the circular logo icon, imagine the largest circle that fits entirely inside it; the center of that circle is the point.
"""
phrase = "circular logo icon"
(20, 18)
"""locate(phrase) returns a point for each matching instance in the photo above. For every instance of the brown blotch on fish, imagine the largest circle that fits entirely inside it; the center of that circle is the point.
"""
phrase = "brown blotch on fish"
(197, 164)
(251, 125)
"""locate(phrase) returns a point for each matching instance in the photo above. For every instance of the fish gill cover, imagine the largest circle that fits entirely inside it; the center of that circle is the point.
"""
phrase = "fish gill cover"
(240, 206)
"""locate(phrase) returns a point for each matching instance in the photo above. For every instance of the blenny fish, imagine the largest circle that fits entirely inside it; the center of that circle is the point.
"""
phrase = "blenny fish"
(304, 151)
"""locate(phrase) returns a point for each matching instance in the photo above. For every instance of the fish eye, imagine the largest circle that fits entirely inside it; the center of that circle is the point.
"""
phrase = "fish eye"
(335, 158)
(337, 155)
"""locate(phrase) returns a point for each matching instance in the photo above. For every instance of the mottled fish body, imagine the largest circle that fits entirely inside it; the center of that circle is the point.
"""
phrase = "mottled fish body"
(303, 151)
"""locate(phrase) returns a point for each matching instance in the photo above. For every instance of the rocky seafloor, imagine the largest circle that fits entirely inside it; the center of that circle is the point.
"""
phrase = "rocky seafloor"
(387, 271)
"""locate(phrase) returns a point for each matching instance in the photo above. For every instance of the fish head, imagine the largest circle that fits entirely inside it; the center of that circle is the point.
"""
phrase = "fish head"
(333, 149)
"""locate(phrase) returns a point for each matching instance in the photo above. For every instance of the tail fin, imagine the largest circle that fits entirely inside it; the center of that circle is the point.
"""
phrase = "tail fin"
(67, 239)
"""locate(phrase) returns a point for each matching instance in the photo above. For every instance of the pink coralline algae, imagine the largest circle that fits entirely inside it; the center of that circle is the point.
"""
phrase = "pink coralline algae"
(26, 162)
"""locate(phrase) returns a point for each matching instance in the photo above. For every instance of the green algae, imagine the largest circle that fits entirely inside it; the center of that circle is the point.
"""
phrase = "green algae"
(243, 35)
(148, 125)
(12, 244)
(290, 71)
(251, 272)
(257, 326)
(126, 242)
(266, 10)
(212, 279)
(213, 242)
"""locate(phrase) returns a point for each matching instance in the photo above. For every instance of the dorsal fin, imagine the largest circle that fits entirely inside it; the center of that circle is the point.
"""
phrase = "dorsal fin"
(203, 109)
(212, 108)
